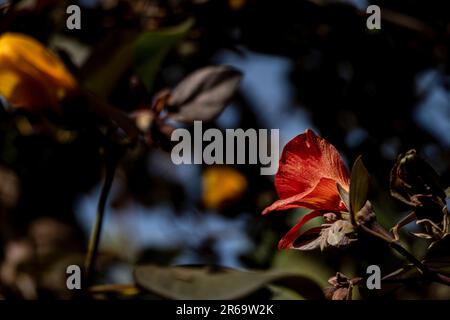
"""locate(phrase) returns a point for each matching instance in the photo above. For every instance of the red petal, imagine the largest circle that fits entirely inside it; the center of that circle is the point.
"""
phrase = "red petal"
(308, 172)
(289, 238)
(322, 197)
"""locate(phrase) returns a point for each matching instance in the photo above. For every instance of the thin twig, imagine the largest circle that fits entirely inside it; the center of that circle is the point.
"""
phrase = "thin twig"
(399, 248)
(111, 163)
(408, 255)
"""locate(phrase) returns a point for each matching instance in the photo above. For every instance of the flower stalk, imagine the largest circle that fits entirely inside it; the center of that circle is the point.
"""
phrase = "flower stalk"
(397, 246)
(111, 161)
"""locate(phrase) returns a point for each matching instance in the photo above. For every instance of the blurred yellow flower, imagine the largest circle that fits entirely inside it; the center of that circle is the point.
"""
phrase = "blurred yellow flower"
(236, 4)
(222, 185)
(31, 76)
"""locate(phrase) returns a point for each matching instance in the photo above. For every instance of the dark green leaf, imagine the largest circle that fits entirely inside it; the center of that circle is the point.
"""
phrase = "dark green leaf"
(359, 187)
(224, 284)
(123, 50)
(281, 293)
(109, 62)
(151, 48)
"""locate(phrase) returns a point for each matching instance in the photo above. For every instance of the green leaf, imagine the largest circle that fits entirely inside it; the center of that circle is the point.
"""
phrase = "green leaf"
(224, 284)
(281, 293)
(124, 50)
(151, 48)
(109, 62)
(303, 263)
(359, 187)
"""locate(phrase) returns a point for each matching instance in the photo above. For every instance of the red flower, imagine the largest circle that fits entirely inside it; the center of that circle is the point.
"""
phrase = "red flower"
(310, 169)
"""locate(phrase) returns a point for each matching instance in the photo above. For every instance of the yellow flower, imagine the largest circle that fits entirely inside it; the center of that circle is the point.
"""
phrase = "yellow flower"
(236, 4)
(31, 76)
(222, 185)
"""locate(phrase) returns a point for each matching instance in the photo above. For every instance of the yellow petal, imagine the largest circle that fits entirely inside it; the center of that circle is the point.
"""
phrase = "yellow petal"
(22, 91)
(8, 82)
(30, 54)
(31, 76)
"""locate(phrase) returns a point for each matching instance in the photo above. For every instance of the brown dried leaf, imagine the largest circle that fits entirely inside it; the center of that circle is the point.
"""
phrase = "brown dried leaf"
(203, 94)
(411, 176)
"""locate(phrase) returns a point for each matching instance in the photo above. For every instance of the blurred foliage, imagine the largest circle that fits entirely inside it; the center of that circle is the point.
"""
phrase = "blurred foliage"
(129, 52)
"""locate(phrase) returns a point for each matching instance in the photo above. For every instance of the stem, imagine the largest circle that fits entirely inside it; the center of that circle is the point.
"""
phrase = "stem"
(408, 255)
(374, 233)
(382, 234)
(111, 163)
(114, 115)
(399, 248)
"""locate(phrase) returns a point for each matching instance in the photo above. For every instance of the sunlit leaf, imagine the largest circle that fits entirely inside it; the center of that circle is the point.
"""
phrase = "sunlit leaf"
(224, 284)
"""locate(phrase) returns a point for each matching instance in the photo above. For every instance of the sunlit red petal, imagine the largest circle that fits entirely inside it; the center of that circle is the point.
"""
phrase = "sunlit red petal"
(288, 240)
(322, 197)
(308, 172)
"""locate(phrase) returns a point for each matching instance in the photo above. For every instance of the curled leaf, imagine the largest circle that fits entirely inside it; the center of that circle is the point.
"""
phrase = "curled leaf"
(310, 240)
(422, 235)
(339, 234)
(414, 182)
